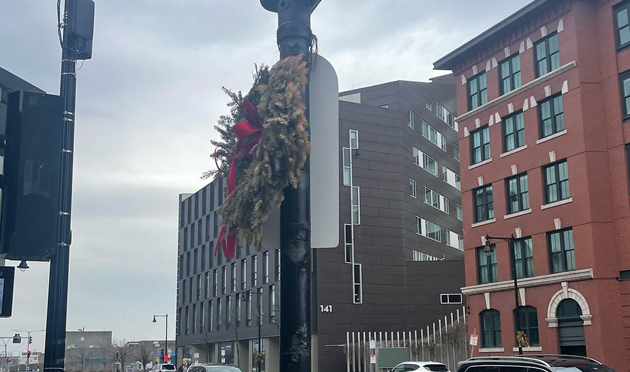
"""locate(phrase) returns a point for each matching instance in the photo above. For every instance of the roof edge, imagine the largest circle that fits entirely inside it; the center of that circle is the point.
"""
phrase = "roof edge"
(448, 61)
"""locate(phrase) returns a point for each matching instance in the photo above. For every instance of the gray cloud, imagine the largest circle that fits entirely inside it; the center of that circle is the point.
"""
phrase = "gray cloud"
(146, 107)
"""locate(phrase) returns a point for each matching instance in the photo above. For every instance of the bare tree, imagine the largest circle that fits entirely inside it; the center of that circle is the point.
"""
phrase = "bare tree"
(143, 354)
(122, 349)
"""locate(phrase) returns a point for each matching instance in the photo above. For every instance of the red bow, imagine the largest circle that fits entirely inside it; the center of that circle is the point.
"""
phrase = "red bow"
(248, 133)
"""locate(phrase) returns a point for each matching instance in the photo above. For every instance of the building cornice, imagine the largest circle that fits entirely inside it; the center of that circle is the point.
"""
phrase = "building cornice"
(550, 75)
(567, 276)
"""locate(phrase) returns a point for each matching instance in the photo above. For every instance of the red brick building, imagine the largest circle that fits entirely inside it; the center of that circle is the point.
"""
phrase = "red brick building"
(544, 103)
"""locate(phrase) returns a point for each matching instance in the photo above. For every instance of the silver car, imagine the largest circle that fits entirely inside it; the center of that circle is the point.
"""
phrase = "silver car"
(209, 367)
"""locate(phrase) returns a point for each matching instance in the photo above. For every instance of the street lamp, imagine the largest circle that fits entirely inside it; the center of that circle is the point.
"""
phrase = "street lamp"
(164, 355)
(259, 354)
(488, 249)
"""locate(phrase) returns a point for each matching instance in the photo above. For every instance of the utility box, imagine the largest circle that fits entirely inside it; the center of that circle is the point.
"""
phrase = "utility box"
(80, 27)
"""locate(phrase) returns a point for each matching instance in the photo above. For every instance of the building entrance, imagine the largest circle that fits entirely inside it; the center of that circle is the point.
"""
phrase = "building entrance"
(571, 328)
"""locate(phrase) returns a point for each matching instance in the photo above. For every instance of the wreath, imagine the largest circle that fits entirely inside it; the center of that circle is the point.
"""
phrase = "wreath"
(522, 339)
(263, 147)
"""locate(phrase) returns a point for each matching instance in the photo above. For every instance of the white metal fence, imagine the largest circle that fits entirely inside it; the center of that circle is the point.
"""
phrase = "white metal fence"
(443, 341)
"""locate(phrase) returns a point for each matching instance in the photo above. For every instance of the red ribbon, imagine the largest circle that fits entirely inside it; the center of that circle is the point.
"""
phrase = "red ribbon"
(248, 133)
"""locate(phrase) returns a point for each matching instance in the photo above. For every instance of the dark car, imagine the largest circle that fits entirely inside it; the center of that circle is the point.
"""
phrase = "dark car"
(533, 363)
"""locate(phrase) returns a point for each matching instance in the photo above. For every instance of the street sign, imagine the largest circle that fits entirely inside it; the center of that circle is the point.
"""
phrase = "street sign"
(7, 275)
(324, 161)
(473, 339)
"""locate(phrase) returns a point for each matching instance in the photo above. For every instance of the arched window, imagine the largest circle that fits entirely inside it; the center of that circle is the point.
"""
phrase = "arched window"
(490, 321)
(528, 322)
(568, 309)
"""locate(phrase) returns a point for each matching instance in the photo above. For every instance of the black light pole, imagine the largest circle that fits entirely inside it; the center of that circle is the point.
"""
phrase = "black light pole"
(164, 357)
(488, 251)
(259, 357)
(54, 358)
(295, 38)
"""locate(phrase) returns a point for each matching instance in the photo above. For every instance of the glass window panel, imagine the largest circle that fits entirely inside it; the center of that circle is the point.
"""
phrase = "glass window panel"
(553, 44)
(624, 35)
(622, 18)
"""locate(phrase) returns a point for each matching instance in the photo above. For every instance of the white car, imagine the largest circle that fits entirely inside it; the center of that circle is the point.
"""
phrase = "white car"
(420, 367)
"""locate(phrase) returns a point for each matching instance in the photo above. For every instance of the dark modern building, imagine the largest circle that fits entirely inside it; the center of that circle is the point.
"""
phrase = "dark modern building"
(544, 103)
(399, 264)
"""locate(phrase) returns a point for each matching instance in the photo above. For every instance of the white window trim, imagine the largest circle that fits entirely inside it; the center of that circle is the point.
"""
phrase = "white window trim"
(414, 190)
(491, 350)
(516, 214)
(558, 203)
(518, 149)
(550, 137)
(451, 294)
(534, 281)
(350, 139)
(355, 283)
(486, 222)
(479, 164)
(358, 204)
(411, 119)
(531, 348)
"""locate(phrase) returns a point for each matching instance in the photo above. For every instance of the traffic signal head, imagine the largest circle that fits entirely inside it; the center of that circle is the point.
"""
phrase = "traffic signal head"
(28, 353)
(30, 339)
(9, 360)
(32, 170)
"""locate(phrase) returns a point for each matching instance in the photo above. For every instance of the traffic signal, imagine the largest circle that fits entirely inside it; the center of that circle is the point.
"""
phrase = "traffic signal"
(32, 170)
(30, 339)
(9, 360)
(117, 354)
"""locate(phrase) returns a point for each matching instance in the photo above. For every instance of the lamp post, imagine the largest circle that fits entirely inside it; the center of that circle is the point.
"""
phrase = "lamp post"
(259, 354)
(165, 316)
(488, 249)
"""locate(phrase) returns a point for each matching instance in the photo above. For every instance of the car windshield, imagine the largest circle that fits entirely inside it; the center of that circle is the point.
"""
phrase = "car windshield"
(436, 367)
(168, 366)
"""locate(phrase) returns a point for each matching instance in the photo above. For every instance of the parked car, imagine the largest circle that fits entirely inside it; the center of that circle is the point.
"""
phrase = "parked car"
(533, 363)
(163, 367)
(212, 367)
(420, 367)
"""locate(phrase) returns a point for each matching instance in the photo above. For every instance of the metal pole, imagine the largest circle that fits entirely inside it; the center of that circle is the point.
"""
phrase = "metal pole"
(295, 38)
(165, 339)
(259, 334)
(58, 283)
(517, 321)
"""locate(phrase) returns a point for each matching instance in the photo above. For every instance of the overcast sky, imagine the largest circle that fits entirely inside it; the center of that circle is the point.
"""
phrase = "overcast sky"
(146, 107)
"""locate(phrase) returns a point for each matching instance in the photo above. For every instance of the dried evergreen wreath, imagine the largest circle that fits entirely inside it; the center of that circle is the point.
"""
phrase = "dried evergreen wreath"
(264, 145)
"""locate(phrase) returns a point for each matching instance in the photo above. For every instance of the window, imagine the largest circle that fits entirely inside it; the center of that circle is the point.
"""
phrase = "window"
(456, 152)
(272, 303)
(460, 214)
(224, 281)
(429, 164)
(194, 319)
(277, 264)
(483, 202)
(239, 301)
(207, 280)
(436, 200)
(490, 321)
(243, 273)
(354, 139)
(556, 178)
(561, 250)
(255, 271)
(622, 25)
(451, 178)
(454, 240)
(551, 116)
(547, 55)
(625, 95)
(524, 257)
(356, 205)
(219, 313)
(477, 91)
(349, 243)
(198, 287)
(528, 323)
(266, 267)
(487, 265)
(357, 284)
(416, 156)
(433, 231)
(480, 145)
(428, 105)
(628, 163)
(234, 277)
(228, 310)
(446, 299)
(215, 276)
(510, 71)
(433, 135)
(411, 119)
(420, 256)
(513, 132)
(248, 299)
(210, 316)
(517, 193)
(412, 187)
(446, 116)
(347, 167)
